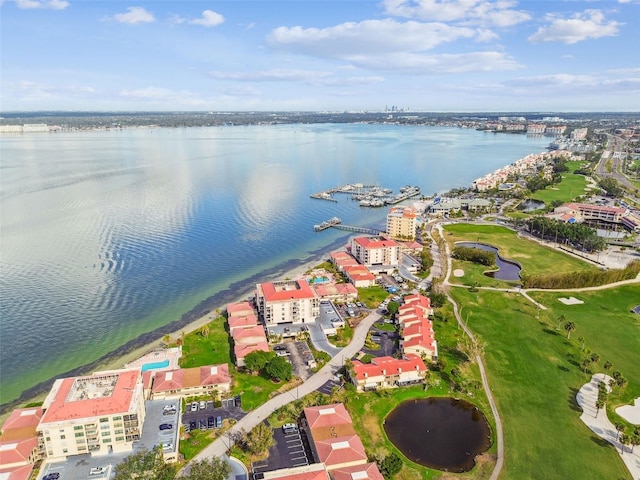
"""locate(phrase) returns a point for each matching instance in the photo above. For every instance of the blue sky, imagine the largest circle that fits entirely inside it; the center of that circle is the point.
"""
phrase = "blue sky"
(419, 55)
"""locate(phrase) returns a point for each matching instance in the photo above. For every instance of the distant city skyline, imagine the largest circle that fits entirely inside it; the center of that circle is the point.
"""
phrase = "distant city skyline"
(320, 55)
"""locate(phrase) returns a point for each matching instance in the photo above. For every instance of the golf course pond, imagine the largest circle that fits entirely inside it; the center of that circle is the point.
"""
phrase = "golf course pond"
(440, 433)
(507, 269)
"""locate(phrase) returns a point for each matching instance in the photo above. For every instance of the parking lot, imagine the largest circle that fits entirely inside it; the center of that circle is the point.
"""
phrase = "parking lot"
(327, 387)
(199, 419)
(388, 342)
(83, 467)
(156, 416)
(290, 450)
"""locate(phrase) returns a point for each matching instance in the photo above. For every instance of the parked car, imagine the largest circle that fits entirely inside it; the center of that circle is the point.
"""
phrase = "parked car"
(51, 476)
(166, 426)
(203, 424)
(211, 422)
(97, 471)
(203, 405)
(218, 421)
(289, 428)
(192, 425)
(194, 407)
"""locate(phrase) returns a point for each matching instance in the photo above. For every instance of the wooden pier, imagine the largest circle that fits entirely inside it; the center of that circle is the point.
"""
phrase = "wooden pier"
(335, 222)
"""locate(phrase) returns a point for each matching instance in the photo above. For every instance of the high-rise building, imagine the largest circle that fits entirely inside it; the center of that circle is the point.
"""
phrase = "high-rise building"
(401, 223)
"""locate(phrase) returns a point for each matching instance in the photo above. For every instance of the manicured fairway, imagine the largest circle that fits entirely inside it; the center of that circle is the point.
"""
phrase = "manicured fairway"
(535, 372)
(533, 257)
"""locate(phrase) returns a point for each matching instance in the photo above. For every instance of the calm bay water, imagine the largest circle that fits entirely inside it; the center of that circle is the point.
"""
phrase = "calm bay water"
(106, 235)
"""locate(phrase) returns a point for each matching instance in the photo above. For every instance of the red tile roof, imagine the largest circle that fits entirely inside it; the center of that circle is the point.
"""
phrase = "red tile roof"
(239, 308)
(327, 415)
(242, 321)
(255, 331)
(284, 291)
(21, 423)
(119, 401)
(241, 350)
(367, 471)
(340, 450)
(383, 366)
(375, 242)
(17, 451)
(191, 377)
(16, 473)
(314, 471)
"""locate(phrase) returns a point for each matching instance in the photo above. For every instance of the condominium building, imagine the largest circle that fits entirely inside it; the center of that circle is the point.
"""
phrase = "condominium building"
(96, 414)
(401, 222)
(289, 301)
(376, 251)
(386, 372)
(191, 382)
(333, 439)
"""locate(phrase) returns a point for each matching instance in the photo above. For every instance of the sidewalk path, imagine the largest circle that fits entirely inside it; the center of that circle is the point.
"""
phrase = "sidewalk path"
(599, 424)
(220, 446)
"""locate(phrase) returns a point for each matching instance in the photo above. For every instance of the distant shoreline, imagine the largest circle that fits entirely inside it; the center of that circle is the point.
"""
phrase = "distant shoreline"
(188, 322)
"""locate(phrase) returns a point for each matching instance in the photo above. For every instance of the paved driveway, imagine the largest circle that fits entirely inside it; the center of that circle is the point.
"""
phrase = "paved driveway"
(320, 342)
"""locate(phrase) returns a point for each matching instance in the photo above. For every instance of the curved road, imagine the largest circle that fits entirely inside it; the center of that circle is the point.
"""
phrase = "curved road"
(220, 446)
(485, 383)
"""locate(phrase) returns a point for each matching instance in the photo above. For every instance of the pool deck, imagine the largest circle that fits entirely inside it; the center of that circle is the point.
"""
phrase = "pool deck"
(171, 354)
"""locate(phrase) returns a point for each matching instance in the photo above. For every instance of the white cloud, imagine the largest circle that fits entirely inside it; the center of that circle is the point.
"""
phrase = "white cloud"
(482, 12)
(560, 84)
(369, 37)
(581, 26)
(447, 63)
(134, 15)
(48, 4)
(209, 19)
(388, 45)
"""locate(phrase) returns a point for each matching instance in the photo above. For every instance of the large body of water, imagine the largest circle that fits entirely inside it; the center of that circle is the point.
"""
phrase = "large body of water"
(106, 235)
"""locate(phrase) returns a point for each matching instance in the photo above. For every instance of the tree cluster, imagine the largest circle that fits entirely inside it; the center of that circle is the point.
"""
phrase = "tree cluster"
(258, 440)
(275, 367)
(426, 259)
(576, 234)
(390, 465)
(611, 186)
(475, 255)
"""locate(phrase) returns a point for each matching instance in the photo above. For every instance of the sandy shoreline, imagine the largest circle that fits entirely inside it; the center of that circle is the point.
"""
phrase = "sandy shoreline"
(195, 318)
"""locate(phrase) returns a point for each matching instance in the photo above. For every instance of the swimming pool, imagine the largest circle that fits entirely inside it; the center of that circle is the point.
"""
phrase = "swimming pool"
(154, 365)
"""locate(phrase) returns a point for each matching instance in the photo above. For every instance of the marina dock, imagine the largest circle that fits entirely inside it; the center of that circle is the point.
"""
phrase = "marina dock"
(335, 222)
(368, 195)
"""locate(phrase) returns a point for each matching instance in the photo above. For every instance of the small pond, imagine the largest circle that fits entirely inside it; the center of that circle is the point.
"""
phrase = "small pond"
(441, 433)
(507, 270)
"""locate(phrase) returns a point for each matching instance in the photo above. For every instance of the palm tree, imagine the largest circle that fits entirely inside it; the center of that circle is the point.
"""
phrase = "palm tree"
(569, 327)
(607, 366)
(620, 428)
(204, 330)
(599, 405)
(582, 340)
(166, 339)
(624, 440)
(621, 382)
(561, 320)
(586, 363)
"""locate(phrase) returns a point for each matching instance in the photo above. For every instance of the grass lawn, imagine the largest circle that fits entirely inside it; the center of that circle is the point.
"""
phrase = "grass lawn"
(343, 337)
(568, 189)
(195, 442)
(535, 373)
(213, 349)
(609, 329)
(534, 258)
(372, 296)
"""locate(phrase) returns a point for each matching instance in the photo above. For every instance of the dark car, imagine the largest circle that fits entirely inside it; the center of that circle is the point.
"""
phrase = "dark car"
(203, 424)
(192, 425)
(237, 401)
(166, 426)
(51, 476)
(210, 422)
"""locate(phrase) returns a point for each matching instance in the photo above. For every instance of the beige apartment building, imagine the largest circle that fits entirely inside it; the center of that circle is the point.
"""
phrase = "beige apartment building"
(96, 414)
(401, 223)
(289, 301)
